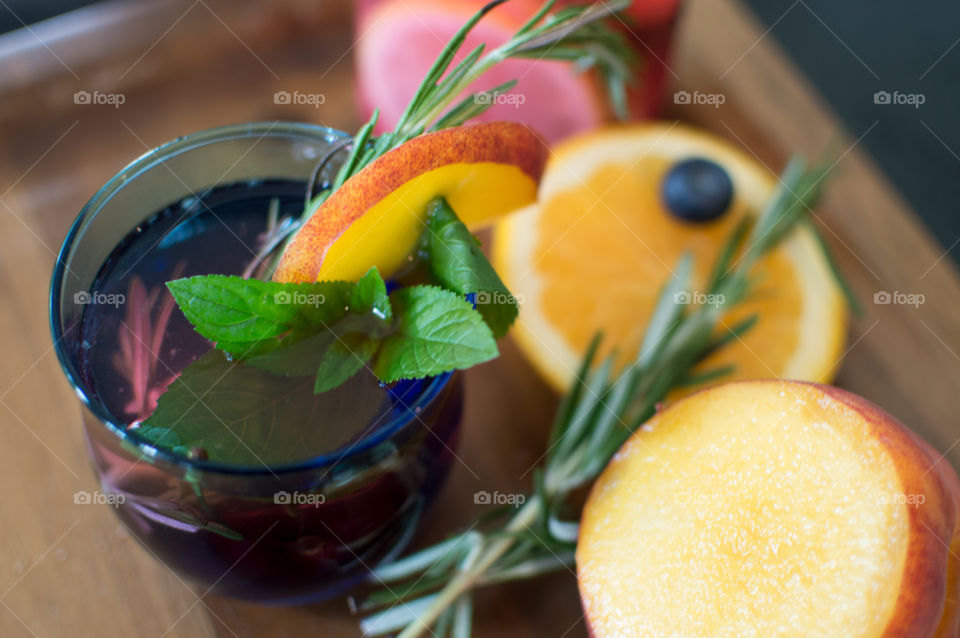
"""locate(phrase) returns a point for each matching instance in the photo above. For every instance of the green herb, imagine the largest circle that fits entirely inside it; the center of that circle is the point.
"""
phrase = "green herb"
(163, 437)
(370, 296)
(230, 407)
(431, 590)
(579, 35)
(343, 359)
(240, 314)
(457, 264)
(437, 331)
(235, 412)
(333, 329)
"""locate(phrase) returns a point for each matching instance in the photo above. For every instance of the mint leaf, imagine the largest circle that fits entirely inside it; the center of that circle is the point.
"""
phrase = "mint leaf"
(161, 437)
(298, 354)
(369, 296)
(286, 328)
(242, 414)
(238, 313)
(343, 359)
(301, 351)
(436, 331)
(458, 264)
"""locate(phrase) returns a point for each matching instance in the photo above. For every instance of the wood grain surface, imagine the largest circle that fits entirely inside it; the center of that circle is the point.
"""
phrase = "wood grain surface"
(71, 570)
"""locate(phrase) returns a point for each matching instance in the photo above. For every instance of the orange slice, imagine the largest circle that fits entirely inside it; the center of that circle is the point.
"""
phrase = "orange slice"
(375, 218)
(596, 248)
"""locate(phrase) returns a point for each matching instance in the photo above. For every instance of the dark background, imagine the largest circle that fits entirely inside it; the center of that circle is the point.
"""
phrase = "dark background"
(850, 49)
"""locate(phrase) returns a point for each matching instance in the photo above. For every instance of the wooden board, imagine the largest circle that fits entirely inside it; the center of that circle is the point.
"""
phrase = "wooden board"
(71, 570)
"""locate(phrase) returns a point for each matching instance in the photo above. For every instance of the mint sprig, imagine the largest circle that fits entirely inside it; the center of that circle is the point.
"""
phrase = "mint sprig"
(230, 406)
(331, 330)
(281, 347)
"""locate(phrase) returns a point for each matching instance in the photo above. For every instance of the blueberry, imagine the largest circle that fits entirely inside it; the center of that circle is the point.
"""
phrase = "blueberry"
(697, 190)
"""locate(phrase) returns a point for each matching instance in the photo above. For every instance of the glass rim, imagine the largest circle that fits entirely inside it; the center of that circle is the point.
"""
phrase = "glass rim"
(146, 161)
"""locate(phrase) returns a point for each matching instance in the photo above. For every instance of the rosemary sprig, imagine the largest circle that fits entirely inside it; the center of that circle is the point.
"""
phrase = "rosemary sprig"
(577, 34)
(431, 590)
(574, 34)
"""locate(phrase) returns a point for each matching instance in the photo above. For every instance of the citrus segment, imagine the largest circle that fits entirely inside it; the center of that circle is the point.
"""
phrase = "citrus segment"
(594, 251)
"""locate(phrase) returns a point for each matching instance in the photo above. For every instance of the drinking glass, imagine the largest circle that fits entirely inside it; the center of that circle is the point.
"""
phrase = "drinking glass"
(276, 533)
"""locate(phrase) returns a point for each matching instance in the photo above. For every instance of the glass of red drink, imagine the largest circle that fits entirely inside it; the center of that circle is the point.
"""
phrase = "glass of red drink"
(287, 514)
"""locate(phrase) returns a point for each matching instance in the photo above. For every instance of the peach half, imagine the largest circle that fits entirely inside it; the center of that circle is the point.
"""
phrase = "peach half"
(375, 218)
(772, 508)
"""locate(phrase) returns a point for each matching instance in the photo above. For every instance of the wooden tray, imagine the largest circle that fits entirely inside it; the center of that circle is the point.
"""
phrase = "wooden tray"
(72, 571)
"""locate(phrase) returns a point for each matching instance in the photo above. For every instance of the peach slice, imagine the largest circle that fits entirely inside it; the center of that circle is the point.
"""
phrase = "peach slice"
(772, 508)
(375, 218)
